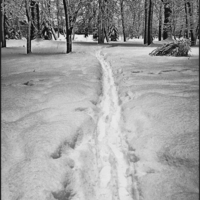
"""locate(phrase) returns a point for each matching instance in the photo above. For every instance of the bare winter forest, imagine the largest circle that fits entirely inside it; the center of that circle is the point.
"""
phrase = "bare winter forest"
(100, 100)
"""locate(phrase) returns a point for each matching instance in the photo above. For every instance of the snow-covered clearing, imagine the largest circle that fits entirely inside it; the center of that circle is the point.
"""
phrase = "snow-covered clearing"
(160, 106)
(99, 123)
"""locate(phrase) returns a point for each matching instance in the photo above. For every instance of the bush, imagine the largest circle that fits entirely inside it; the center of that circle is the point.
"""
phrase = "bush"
(175, 48)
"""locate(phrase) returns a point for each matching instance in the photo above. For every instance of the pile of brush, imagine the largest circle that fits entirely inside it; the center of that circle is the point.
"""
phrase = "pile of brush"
(175, 48)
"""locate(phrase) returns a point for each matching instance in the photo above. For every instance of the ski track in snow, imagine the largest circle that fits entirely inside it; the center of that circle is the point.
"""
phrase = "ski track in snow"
(114, 178)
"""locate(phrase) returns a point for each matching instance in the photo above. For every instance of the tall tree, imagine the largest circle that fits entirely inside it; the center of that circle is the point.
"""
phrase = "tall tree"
(146, 6)
(148, 21)
(122, 18)
(58, 16)
(28, 14)
(190, 32)
(3, 24)
(68, 29)
(139, 20)
(197, 20)
(105, 19)
(160, 22)
(71, 12)
(35, 19)
(100, 22)
(186, 21)
(167, 27)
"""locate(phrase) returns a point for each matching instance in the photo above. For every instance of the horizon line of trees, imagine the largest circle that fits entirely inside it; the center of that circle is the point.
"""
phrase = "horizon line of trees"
(165, 19)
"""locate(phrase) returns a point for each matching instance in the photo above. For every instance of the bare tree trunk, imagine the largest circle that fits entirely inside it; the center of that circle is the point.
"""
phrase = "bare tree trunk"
(173, 21)
(28, 13)
(160, 23)
(58, 14)
(123, 22)
(146, 22)
(106, 22)
(34, 17)
(100, 23)
(68, 30)
(186, 21)
(70, 39)
(150, 21)
(167, 28)
(139, 21)
(3, 25)
(191, 23)
(197, 26)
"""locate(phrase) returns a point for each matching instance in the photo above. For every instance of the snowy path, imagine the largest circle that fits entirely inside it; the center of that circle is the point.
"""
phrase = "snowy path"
(115, 182)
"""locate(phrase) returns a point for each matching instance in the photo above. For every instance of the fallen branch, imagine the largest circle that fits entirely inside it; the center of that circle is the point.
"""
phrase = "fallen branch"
(175, 48)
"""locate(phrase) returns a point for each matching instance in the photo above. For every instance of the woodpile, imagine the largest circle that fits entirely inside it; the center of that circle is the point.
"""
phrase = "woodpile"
(175, 48)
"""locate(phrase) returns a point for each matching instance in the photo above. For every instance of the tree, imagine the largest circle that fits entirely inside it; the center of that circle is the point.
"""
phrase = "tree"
(167, 27)
(197, 19)
(106, 19)
(35, 25)
(71, 12)
(29, 18)
(58, 15)
(159, 9)
(148, 21)
(160, 22)
(3, 24)
(123, 20)
(101, 19)
(134, 17)
(189, 21)
(68, 28)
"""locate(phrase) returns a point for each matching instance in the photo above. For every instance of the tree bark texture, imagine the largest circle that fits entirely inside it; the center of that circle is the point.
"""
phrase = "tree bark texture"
(146, 21)
(150, 21)
(192, 32)
(68, 29)
(28, 13)
(139, 21)
(186, 21)
(58, 15)
(101, 23)
(190, 22)
(197, 26)
(167, 28)
(160, 23)
(35, 19)
(3, 25)
(123, 20)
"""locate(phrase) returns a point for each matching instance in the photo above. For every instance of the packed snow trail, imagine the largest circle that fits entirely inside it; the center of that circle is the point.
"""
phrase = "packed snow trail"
(115, 182)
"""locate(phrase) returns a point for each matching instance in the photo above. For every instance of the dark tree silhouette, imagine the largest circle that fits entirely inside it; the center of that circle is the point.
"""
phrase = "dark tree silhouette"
(160, 23)
(3, 38)
(123, 20)
(100, 23)
(148, 22)
(68, 30)
(167, 28)
(35, 26)
(189, 21)
(28, 14)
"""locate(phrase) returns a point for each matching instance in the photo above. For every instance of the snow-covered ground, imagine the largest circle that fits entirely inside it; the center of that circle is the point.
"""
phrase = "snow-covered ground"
(98, 123)
(160, 107)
